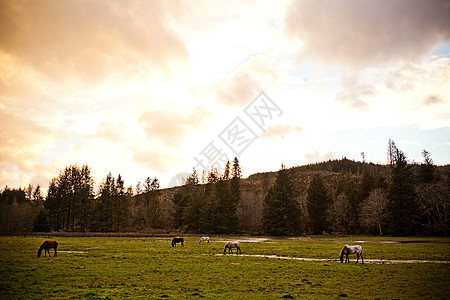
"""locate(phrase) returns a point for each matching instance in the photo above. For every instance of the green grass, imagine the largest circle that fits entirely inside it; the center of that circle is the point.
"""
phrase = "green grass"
(149, 268)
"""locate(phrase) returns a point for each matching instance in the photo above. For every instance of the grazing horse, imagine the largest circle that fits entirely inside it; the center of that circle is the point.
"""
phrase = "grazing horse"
(47, 245)
(204, 239)
(352, 250)
(230, 245)
(177, 240)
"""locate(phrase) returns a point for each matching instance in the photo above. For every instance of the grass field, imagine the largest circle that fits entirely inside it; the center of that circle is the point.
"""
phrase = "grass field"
(149, 268)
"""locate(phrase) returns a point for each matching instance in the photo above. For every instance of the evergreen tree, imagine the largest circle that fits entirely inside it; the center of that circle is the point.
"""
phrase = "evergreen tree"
(235, 195)
(69, 198)
(226, 173)
(122, 211)
(224, 216)
(366, 184)
(281, 213)
(154, 208)
(236, 170)
(104, 209)
(179, 201)
(401, 195)
(318, 202)
(53, 204)
(348, 188)
(192, 217)
(426, 170)
(192, 179)
(41, 223)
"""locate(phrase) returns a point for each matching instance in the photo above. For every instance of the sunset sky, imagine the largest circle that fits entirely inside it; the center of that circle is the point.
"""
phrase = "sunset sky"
(155, 88)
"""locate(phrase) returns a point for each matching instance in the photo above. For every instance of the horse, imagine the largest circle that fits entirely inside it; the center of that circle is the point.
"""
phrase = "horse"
(203, 239)
(230, 245)
(47, 245)
(352, 250)
(177, 240)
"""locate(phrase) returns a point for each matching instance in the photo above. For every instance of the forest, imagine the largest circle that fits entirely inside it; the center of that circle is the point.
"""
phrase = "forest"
(333, 197)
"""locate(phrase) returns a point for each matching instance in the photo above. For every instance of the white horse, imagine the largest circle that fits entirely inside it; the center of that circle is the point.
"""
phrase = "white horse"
(230, 245)
(204, 239)
(352, 250)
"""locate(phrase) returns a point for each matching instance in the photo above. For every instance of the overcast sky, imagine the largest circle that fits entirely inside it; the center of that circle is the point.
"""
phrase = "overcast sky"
(155, 88)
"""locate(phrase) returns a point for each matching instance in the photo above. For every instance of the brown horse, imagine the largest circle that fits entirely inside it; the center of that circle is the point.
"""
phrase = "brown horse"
(47, 245)
(352, 250)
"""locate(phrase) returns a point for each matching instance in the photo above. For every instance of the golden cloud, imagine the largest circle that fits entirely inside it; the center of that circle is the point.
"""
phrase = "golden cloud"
(89, 39)
(246, 82)
(172, 127)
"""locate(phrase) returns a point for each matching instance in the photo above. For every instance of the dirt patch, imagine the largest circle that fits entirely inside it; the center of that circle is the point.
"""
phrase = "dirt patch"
(370, 261)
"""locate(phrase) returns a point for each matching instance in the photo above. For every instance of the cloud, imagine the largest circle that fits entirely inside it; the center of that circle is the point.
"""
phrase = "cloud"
(156, 159)
(280, 131)
(21, 140)
(113, 132)
(432, 100)
(358, 34)
(354, 92)
(172, 127)
(23, 145)
(88, 39)
(354, 95)
(316, 157)
(246, 82)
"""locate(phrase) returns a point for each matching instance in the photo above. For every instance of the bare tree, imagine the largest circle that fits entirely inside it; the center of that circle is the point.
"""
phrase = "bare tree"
(434, 203)
(373, 211)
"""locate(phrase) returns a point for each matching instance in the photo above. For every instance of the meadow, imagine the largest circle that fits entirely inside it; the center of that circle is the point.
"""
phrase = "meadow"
(149, 268)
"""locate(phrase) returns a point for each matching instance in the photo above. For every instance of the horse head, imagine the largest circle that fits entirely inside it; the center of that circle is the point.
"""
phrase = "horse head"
(343, 252)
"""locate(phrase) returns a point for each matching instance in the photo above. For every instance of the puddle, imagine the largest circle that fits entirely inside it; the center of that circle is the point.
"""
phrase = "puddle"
(249, 240)
(370, 261)
(378, 242)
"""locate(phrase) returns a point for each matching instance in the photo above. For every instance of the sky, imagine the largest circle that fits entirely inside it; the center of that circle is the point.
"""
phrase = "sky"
(156, 88)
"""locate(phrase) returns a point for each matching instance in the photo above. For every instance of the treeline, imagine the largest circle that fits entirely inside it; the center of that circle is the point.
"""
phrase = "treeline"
(411, 199)
(338, 196)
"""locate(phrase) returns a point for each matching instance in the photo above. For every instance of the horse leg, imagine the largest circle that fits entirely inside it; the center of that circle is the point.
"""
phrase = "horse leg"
(362, 259)
(357, 257)
(56, 254)
(48, 250)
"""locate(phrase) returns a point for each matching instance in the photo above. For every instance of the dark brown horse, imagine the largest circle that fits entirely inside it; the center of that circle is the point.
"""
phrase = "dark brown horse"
(47, 245)
(177, 240)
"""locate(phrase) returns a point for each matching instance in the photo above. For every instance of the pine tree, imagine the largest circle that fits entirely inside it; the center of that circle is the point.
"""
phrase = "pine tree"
(69, 198)
(193, 213)
(226, 173)
(401, 195)
(426, 170)
(318, 202)
(281, 213)
(236, 170)
(347, 186)
(41, 223)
